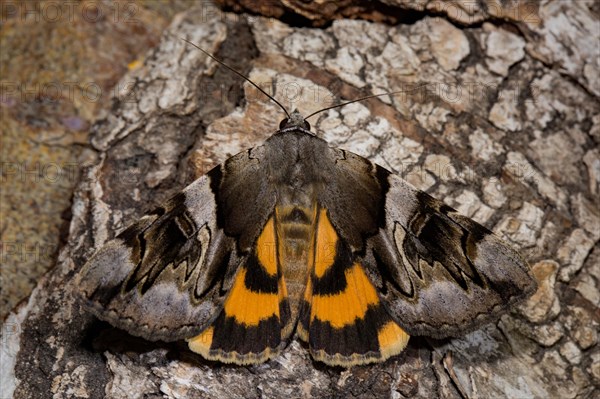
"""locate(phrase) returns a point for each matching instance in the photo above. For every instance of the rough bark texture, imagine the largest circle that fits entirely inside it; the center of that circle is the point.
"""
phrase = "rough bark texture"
(59, 63)
(323, 12)
(499, 119)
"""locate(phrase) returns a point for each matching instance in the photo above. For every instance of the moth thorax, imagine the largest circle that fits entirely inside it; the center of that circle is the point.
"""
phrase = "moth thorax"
(294, 120)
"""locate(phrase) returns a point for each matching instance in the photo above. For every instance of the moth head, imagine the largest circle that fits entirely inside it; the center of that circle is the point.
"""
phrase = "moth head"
(295, 120)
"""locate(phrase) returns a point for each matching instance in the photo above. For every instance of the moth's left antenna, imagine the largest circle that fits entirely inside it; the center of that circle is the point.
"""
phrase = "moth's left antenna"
(240, 75)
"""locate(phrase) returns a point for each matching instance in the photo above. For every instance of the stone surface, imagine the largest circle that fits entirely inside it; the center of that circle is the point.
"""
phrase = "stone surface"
(573, 252)
(523, 228)
(591, 159)
(544, 304)
(594, 367)
(587, 214)
(521, 169)
(493, 193)
(505, 114)
(503, 49)
(544, 335)
(449, 45)
(185, 114)
(465, 12)
(563, 39)
(582, 326)
(587, 286)
(483, 146)
(557, 156)
(547, 334)
(470, 205)
(571, 352)
(441, 167)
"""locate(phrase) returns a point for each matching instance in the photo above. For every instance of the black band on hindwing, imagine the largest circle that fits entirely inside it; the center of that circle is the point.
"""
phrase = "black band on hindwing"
(257, 279)
(333, 280)
(358, 337)
(230, 336)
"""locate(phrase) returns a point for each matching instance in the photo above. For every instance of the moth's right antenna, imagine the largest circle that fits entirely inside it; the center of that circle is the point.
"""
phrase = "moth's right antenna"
(355, 101)
(240, 75)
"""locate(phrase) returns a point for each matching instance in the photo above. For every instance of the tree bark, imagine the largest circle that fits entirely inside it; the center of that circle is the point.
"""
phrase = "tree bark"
(497, 116)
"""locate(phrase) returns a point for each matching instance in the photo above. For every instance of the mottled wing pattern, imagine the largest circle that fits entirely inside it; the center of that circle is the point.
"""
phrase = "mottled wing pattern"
(166, 276)
(437, 273)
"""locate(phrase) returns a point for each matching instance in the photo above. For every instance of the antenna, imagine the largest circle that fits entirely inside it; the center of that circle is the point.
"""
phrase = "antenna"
(356, 100)
(240, 75)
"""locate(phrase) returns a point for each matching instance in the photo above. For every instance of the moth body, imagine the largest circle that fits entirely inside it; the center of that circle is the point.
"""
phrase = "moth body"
(297, 236)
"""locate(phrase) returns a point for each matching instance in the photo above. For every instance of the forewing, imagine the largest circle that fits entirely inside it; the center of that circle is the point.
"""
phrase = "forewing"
(439, 273)
(166, 276)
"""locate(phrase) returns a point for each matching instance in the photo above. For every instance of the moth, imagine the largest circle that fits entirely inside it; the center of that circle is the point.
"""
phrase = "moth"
(295, 236)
